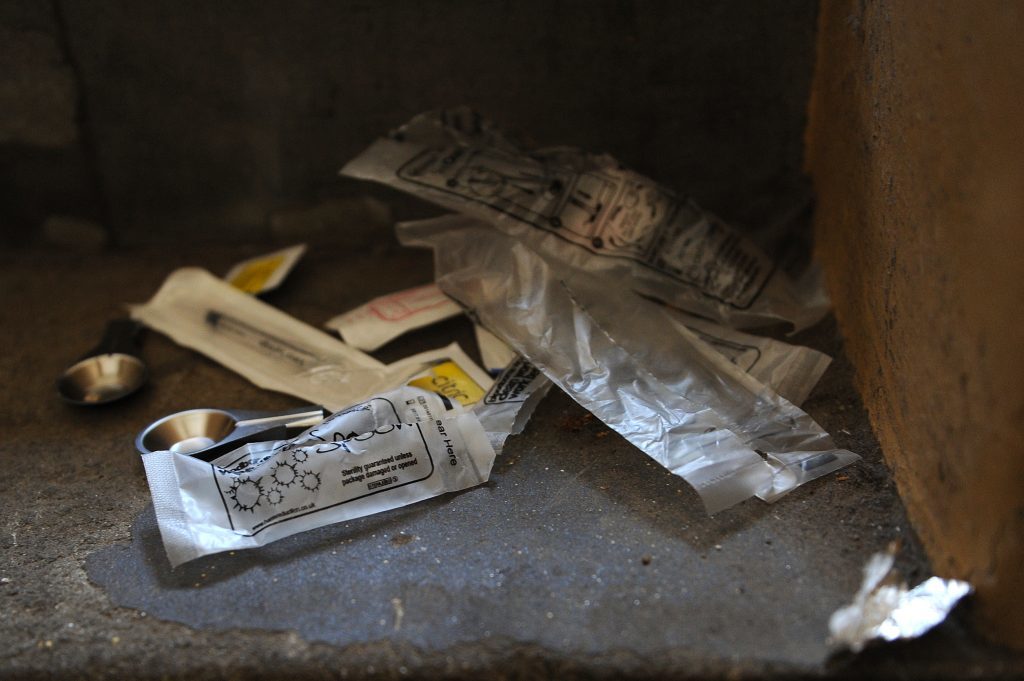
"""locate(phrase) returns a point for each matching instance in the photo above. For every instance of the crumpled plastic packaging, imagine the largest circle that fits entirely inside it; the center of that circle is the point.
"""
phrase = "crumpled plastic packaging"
(597, 215)
(790, 370)
(885, 608)
(278, 352)
(673, 396)
(391, 450)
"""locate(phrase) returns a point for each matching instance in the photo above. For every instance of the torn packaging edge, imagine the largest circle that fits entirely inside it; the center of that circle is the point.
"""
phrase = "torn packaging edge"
(675, 414)
(194, 519)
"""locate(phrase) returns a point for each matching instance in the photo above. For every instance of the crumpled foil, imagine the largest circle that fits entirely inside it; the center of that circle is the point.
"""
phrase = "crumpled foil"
(886, 608)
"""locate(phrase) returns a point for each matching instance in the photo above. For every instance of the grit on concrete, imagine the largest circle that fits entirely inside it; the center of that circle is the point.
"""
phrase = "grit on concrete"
(580, 557)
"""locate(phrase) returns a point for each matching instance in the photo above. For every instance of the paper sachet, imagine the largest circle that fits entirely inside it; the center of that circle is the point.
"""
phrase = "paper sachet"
(596, 215)
(385, 318)
(391, 450)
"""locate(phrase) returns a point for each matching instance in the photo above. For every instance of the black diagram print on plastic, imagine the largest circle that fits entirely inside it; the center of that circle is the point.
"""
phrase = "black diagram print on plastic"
(309, 481)
(517, 185)
(284, 474)
(275, 496)
(299, 456)
(246, 493)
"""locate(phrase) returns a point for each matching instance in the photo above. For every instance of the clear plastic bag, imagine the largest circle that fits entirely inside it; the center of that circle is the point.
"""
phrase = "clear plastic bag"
(671, 395)
(596, 215)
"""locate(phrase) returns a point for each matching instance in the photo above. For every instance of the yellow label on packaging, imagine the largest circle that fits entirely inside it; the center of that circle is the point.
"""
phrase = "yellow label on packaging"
(450, 380)
(255, 275)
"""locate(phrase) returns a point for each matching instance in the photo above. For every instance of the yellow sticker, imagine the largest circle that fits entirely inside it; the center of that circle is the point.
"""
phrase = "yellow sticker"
(255, 274)
(450, 380)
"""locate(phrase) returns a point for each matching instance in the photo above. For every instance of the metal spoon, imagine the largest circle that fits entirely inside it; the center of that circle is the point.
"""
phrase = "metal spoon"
(208, 433)
(109, 371)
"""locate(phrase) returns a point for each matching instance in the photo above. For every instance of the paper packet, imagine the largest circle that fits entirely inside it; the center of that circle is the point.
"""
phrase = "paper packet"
(383, 319)
(391, 450)
(278, 352)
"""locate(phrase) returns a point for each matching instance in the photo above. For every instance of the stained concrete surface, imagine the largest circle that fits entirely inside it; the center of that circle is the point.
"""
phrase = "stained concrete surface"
(579, 558)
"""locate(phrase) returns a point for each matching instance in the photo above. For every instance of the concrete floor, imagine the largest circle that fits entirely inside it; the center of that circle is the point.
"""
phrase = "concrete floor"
(579, 558)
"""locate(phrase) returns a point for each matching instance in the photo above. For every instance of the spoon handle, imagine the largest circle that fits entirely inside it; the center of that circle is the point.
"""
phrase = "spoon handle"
(120, 337)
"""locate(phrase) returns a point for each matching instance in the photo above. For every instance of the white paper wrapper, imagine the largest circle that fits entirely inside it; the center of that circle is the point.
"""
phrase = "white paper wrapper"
(595, 214)
(885, 608)
(383, 319)
(671, 395)
(389, 451)
(278, 352)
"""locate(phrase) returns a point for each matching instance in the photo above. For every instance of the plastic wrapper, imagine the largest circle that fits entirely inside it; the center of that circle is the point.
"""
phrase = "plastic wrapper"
(278, 352)
(383, 319)
(511, 401)
(595, 215)
(790, 370)
(684, 404)
(389, 451)
(885, 608)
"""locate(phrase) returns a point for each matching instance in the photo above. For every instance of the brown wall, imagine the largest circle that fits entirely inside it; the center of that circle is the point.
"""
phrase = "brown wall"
(916, 146)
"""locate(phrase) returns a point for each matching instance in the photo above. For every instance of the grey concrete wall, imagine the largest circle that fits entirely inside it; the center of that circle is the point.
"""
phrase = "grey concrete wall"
(229, 120)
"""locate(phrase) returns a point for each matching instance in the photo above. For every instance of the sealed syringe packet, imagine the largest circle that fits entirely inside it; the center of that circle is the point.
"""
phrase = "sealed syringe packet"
(270, 348)
(278, 352)
(595, 214)
(672, 395)
(391, 450)
(385, 318)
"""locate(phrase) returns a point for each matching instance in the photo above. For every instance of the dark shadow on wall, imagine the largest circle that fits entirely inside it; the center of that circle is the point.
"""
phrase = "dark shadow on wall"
(229, 121)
